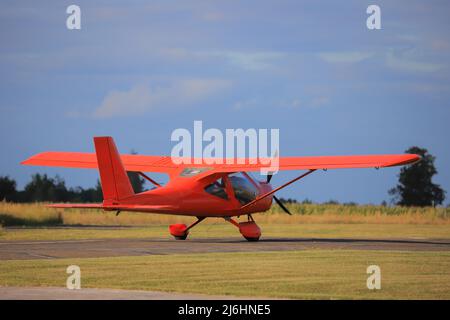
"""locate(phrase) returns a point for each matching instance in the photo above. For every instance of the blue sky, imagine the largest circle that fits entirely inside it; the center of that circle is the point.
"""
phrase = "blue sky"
(137, 70)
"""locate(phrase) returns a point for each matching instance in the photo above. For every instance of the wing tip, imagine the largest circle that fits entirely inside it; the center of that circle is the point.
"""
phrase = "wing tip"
(405, 159)
(35, 157)
(27, 161)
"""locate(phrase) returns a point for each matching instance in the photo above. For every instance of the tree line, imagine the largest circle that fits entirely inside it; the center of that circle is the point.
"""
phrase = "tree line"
(43, 188)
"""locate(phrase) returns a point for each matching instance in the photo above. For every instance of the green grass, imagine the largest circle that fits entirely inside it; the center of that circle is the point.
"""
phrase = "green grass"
(311, 274)
(227, 230)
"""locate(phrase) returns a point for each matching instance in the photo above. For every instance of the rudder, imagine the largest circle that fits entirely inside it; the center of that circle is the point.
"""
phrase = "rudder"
(113, 177)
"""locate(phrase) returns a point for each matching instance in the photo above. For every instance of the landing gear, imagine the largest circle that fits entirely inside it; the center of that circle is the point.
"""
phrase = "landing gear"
(249, 230)
(181, 237)
(180, 231)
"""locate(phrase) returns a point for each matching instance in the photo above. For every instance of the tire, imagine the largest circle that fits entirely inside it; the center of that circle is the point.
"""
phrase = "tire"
(181, 237)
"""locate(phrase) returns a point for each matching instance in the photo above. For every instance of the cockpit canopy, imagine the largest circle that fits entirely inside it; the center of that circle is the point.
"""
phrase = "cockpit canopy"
(244, 189)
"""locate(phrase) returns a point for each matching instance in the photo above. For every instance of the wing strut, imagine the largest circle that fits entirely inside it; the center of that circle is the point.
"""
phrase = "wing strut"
(277, 189)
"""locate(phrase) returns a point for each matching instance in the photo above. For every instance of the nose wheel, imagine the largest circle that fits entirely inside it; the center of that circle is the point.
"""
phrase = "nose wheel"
(249, 230)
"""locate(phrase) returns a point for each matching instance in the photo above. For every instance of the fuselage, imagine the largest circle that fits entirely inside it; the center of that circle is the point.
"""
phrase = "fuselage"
(219, 195)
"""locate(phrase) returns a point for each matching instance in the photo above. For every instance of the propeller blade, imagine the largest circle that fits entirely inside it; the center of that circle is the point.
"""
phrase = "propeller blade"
(281, 205)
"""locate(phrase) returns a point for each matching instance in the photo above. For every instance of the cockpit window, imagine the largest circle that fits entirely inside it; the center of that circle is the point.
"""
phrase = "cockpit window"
(244, 190)
(217, 188)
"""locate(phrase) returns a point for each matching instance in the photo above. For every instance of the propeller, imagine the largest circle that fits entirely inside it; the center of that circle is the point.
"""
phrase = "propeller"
(281, 205)
(269, 177)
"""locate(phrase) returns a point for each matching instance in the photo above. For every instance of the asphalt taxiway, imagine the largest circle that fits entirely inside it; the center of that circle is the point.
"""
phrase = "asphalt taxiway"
(17, 250)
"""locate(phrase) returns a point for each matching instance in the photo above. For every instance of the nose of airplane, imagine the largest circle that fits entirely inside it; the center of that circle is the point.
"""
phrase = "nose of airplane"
(265, 188)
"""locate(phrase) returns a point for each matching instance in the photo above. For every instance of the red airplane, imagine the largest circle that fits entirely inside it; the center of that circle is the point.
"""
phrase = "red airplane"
(198, 190)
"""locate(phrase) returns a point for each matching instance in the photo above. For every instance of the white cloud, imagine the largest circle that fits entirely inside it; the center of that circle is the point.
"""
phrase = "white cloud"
(251, 60)
(404, 59)
(143, 98)
(245, 104)
(318, 102)
(308, 103)
(255, 60)
(294, 103)
(344, 57)
(409, 62)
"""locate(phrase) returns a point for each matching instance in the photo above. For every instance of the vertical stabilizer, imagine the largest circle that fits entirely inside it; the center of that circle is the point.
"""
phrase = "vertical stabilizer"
(113, 177)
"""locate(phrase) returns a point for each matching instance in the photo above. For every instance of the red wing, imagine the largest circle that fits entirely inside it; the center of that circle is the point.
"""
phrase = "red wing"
(131, 162)
(165, 164)
(328, 162)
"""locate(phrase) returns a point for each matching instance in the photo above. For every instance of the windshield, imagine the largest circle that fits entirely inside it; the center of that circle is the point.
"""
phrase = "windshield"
(244, 190)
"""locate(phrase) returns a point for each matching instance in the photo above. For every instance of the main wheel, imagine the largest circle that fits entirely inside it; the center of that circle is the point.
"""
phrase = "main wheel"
(250, 230)
(179, 231)
(181, 237)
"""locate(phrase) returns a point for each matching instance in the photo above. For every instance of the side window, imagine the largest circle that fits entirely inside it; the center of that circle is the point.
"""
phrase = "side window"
(217, 188)
(244, 190)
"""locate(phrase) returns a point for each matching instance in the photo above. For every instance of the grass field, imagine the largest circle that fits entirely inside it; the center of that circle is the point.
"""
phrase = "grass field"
(307, 274)
(311, 274)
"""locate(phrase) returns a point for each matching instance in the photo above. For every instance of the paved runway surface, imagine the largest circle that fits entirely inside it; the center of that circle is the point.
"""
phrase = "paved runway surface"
(11, 250)
(56, 293)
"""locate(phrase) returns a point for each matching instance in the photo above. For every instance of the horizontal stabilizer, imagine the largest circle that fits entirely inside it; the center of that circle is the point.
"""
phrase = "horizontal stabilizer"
(76, 205)
(124, 207)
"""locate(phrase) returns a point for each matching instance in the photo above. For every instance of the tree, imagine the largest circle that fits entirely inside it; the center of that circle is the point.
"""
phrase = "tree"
(43, 188)
(288, 200)
(7, 188)
(415, 186)
(90, 195)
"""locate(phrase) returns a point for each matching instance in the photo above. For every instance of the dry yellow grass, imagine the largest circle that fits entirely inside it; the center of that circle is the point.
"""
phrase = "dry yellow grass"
(39, 215)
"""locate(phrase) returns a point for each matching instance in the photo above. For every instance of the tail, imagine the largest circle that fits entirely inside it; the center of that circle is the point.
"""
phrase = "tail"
(113, 177)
